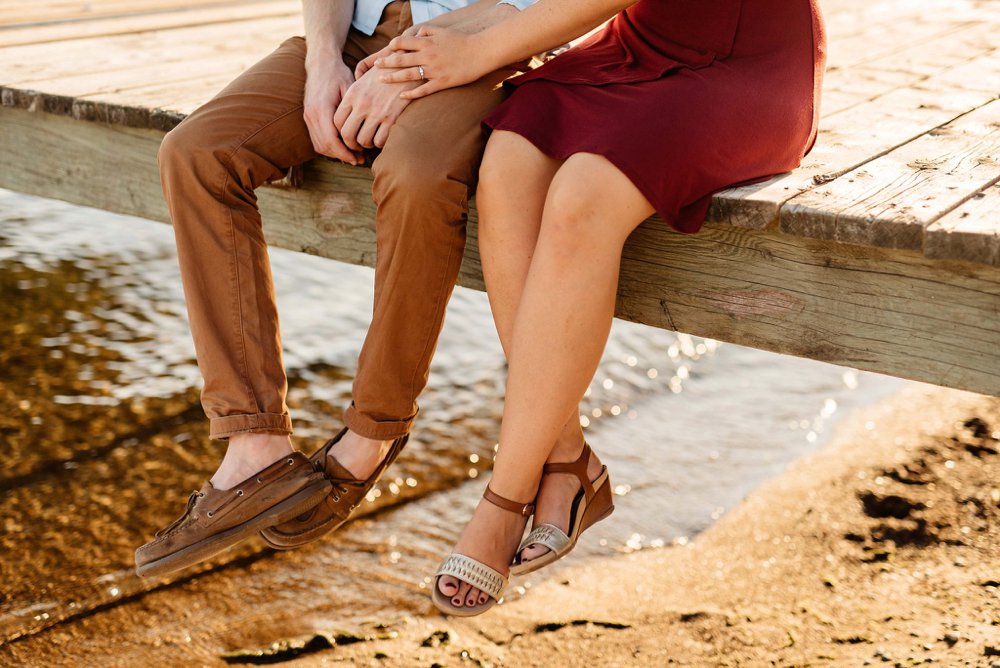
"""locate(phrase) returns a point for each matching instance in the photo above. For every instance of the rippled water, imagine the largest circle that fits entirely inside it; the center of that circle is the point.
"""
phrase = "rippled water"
(102, 435)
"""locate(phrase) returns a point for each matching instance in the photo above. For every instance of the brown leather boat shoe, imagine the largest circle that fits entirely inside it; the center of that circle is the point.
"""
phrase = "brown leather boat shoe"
(215, 520)
(334, 510)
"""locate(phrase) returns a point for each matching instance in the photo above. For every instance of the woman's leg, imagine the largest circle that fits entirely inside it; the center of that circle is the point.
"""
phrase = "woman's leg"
(513, 182)
(559, 331)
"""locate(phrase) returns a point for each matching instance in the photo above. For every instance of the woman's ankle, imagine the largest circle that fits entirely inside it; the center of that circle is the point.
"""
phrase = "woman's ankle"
(569, 444)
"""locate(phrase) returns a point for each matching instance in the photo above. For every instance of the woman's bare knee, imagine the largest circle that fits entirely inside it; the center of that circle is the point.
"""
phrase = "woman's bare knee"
(592, 201)
(513, 169)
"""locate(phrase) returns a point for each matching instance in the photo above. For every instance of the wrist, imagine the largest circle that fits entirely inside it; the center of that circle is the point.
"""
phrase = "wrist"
(492, 46)
(323, 56)
(487, 19)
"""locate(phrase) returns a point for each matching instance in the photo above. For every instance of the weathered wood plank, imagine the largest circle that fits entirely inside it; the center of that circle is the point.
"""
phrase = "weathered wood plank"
(884, 311)
(38, 66)
(18, 12)
(175, 17)
(889, 201)
(969, 232)
(897, 36)
(889, 311)
(913, 65)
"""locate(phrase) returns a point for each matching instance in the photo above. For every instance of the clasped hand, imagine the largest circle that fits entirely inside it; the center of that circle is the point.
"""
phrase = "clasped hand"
(347, 112)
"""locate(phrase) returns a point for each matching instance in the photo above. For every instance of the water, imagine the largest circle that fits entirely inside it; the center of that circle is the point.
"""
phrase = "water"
(102, 435)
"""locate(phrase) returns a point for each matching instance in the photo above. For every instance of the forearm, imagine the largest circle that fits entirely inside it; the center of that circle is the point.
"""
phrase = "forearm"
(544, 25)
(491, 15)
(326, 23)
(471, 12)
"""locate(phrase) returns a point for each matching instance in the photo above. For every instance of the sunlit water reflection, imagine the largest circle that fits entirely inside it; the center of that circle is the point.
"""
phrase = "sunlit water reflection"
(102, 436)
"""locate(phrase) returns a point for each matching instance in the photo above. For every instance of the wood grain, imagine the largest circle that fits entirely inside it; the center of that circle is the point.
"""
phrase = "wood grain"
(889, 201)
(971, 231)
(189, 15)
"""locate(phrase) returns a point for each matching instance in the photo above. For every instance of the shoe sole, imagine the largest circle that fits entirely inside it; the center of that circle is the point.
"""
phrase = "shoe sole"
(208, 547)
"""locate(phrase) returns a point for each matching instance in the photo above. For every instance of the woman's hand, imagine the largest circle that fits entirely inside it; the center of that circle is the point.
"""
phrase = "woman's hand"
(369, 62)
(443, 57)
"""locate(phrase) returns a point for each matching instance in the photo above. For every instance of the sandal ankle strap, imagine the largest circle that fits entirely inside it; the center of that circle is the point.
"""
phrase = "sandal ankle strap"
(523, 509)
(577, 468)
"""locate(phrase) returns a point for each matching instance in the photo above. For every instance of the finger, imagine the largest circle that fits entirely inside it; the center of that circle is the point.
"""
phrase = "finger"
(337, 149)
(363, 67)
(329, 144)
(349, 132)
(367, 132)
(383, 134)
(399, 59)
(344, 110)
(432, 86)
(318, 134)
(408, 43)
(399, 76)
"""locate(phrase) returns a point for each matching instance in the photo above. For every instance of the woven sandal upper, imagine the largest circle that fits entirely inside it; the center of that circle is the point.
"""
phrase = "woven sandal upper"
(475, 573)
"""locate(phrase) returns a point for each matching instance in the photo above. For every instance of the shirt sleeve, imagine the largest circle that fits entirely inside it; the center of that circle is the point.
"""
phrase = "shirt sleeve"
(520, 4)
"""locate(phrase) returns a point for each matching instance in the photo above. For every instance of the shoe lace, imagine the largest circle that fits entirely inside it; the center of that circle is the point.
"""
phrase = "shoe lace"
(339, 489)
(176, 523)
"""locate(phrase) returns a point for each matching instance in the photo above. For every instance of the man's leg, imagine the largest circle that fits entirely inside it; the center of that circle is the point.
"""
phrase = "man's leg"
(423, 178)
(210, 165)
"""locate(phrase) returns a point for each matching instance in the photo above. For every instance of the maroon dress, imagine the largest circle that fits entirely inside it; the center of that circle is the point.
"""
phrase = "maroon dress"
(685, 97)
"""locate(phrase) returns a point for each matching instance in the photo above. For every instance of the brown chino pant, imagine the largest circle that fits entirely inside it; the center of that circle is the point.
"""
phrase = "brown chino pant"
(253, 132)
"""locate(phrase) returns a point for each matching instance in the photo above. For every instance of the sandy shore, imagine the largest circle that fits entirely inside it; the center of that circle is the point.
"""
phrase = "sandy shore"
(881, 549)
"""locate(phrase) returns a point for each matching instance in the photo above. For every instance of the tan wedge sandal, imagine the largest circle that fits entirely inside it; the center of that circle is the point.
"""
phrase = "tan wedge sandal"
(488, 580)
(592, 504)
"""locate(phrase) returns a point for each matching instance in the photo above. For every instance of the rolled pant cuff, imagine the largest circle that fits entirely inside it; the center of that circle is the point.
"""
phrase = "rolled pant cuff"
(380, 430)
(258, 423)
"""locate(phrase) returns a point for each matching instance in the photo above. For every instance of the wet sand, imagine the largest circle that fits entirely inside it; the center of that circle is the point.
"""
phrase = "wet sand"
(881, 549)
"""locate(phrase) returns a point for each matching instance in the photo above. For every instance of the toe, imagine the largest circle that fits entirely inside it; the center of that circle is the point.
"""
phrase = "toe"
(448, 585)
(483, 597)
(463, 591)
(472, 597)
(533, 551)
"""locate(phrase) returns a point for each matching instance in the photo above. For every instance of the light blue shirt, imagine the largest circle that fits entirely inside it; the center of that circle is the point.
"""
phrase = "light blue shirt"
(368, 12)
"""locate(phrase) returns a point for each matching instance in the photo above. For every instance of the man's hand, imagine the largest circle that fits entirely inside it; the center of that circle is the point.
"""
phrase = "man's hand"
(369, 109)
(327, 82)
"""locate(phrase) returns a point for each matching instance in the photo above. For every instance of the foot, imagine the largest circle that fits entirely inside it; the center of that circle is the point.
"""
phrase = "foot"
(359, 455)
(557, 492)
(248, 454)
(491, 536)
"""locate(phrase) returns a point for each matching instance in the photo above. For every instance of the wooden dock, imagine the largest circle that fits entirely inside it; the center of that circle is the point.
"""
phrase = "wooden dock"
(882, 252)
